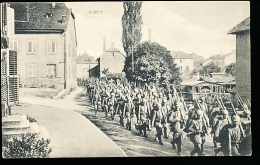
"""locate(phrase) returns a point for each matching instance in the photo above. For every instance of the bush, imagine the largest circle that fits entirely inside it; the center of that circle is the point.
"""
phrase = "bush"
(25, 146)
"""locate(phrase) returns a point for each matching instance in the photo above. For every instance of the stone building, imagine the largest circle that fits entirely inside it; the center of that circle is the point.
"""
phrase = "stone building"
(243, 59)
(45, 36)
(85, 63)
(112, 59)
(183, 60)
(9, 79)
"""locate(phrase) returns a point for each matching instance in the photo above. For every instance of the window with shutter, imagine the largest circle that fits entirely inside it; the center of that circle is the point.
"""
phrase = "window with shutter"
(13, 78)
(51, 46)
(32, 47)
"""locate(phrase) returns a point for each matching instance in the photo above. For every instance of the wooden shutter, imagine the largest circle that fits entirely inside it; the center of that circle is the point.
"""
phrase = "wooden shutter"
(13, 78)
(48, 47)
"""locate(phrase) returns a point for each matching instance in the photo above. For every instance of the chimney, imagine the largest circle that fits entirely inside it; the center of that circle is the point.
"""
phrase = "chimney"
(150, 35)
(63, 18)
(53, 4)
(104, 44)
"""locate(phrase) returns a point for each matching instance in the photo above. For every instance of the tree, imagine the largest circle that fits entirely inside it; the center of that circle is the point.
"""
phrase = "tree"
(26, 146)
(131, 25)
(214, 69)
(231, 69)
(153, 63)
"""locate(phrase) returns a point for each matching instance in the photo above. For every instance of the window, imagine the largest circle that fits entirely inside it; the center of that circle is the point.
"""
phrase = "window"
(113, 54)
(51, 70)
(32, 70)
(51, 46)
(13, 44)
(180, 60)
(32, 46)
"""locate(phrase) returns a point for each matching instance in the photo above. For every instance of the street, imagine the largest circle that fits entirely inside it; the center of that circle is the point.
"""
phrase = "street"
(65, 120)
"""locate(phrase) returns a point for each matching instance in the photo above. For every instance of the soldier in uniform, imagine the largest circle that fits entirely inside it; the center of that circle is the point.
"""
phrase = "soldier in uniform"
(222, 121)
(128, 111)
(174, 118)
(165, 109)
(230, 137)
(142, 115)
(246, 119)
(158, 118)
(197, 130)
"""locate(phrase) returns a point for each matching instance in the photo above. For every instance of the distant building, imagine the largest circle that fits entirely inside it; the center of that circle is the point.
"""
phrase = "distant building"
(224, 60)
(112, 59)
(84, 64)
(243, 57)
(45, 38)
(183, 60)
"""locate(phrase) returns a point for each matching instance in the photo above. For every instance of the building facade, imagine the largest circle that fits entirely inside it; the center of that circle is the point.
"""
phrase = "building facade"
(224, 60)
(112, 60)
(183, 60)
(243, 59)
(84, 64)
(45, 36)
(9, 78)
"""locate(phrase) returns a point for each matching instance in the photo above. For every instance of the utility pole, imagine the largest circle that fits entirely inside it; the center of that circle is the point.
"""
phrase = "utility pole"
(132, 59)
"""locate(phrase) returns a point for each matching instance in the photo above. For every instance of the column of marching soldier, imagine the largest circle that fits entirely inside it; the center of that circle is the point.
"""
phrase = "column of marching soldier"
(167, 112)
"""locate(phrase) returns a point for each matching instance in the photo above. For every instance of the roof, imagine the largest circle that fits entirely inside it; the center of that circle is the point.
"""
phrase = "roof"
(85, 59)
(191, 82)
(112, 49)
(208, 62)
(180, 55)
(218, 79)
(244, 25)
(37, 19)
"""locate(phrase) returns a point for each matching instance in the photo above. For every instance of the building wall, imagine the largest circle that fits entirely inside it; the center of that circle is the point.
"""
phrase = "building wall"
(220, 63)
(115, 64)
(243, 65)
(230, 59)
(184, 63)
(41, 58)
(82, 70)
(71, 55)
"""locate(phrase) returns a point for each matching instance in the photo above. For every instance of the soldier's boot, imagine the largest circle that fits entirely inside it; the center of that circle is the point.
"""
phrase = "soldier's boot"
(156, 136)
(140, 132)
(173, 145)
(215, 144)
(216, 151)
(145, 135)
(179, 148)
(193, 152)
(130, 126)
(123, 123)
(160, 139)
(165, 133)
(202, 148)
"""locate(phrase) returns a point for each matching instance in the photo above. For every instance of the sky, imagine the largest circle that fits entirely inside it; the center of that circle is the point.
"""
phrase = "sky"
(191, 27)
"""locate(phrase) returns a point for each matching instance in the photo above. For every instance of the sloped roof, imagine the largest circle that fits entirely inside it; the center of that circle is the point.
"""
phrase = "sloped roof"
(244, 25)
(191, 82)
(218, 79)
(207, 63)
(38, 20)
(85, 59)
(180, 55)
(112, 49)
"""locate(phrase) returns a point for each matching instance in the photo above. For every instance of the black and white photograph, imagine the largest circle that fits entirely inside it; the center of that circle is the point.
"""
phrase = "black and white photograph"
(125, 79)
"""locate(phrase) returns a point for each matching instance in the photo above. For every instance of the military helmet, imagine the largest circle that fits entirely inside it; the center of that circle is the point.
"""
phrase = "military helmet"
(235, 118)
(224, 112)
(248, 112)
(199, 112)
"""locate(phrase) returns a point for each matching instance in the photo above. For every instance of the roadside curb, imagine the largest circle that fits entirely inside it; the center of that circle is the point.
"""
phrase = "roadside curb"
(60, 94)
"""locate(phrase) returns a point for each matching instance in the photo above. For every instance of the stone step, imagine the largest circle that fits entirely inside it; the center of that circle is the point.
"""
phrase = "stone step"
(13, 120)
(33, 128)
(21, 126)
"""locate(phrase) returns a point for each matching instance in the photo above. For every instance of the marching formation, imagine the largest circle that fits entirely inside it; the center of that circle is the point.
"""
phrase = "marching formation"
(167, 112)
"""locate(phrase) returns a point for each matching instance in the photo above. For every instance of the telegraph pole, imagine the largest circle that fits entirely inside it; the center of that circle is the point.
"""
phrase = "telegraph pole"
(132, 59)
